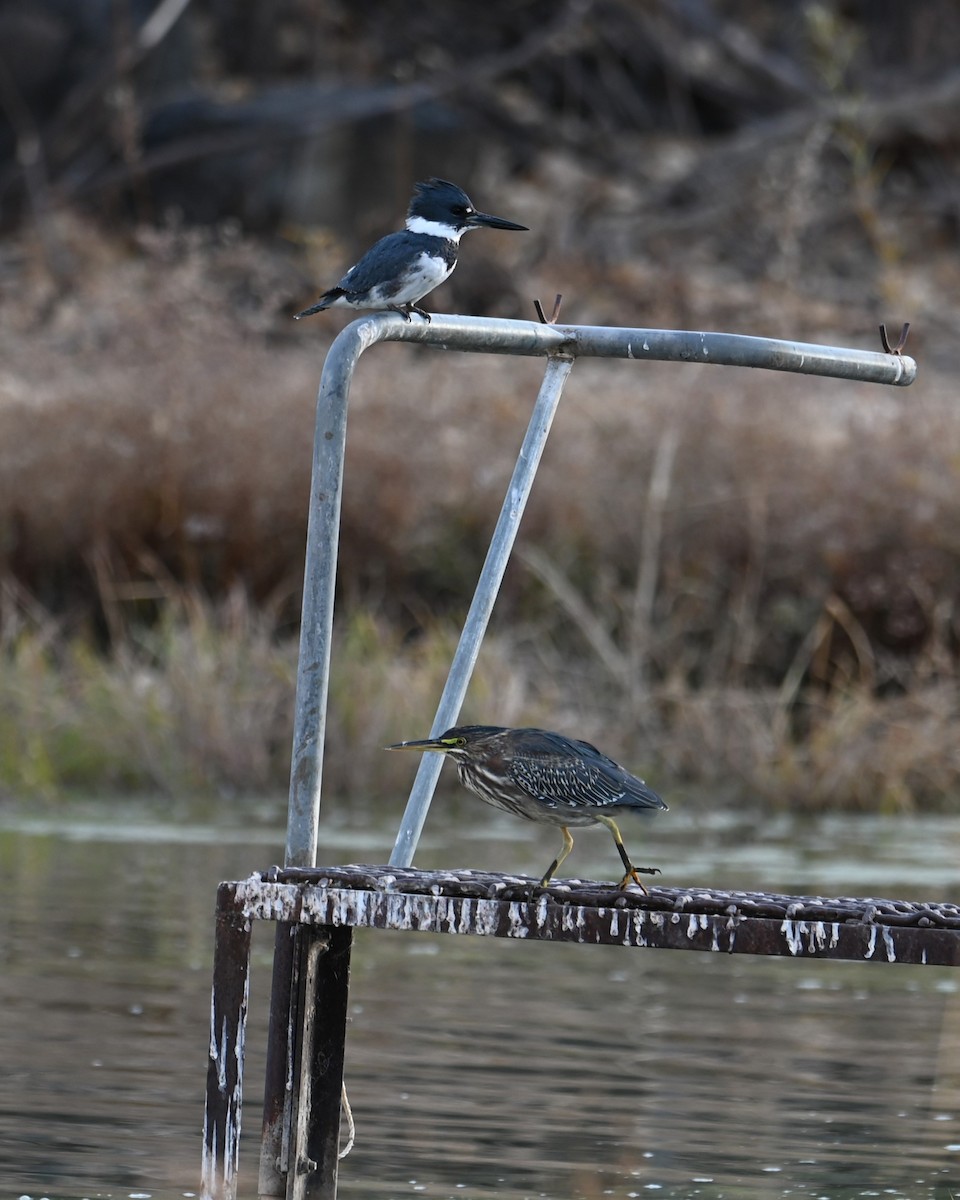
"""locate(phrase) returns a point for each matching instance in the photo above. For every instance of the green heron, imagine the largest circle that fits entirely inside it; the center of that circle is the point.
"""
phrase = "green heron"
(545, 777)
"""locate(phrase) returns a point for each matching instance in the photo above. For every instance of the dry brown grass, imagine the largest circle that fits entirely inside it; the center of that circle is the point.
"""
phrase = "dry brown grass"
(746, 580)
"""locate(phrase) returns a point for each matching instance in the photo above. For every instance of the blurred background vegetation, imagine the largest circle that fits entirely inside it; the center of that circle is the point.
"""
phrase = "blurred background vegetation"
(741, 585)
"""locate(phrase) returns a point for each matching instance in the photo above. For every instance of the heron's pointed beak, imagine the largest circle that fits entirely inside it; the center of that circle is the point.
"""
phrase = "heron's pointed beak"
(479, 218)
(425, 744)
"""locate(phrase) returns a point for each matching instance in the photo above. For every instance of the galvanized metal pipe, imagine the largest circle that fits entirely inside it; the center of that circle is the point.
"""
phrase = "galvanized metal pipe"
(488, 335)
(320, 574)
(475, 626)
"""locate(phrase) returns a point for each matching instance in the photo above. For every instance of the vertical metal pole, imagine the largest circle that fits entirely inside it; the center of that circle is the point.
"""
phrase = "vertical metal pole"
(316, 626)
(228, 1023)
(558, 368)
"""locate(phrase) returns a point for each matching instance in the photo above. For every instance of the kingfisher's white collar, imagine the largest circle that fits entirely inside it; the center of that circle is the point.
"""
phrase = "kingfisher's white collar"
(434, 229)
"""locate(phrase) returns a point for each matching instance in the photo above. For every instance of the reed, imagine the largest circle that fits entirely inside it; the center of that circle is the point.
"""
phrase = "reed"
(738, 579)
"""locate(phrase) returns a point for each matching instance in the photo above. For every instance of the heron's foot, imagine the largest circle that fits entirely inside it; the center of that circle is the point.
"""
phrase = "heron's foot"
(633, 876)
(536, 888)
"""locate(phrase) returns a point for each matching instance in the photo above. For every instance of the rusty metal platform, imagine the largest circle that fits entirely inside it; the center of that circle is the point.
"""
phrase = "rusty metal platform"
(316, 911)
(492, 905)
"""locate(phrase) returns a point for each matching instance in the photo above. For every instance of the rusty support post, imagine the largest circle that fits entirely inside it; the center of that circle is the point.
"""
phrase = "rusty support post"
(325, 972)
(277, 1087)
(228, 1023)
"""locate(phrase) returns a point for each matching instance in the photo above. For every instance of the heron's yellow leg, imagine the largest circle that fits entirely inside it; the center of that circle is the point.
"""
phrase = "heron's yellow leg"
(564, 851)
(624, 857)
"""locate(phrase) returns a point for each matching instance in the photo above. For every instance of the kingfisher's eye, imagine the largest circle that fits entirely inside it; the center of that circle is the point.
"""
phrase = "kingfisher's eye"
(460, 210)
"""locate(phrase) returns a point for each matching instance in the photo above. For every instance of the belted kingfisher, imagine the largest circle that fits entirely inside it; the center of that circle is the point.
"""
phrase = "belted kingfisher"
(403, 267)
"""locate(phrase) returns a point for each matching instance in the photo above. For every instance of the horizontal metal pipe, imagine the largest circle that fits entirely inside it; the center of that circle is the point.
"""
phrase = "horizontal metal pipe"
(444, 331)
(738, 350)
(490, 335)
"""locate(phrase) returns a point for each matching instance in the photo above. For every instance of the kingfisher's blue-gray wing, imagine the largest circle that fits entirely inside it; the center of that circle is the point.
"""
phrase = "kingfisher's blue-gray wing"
(386, 262)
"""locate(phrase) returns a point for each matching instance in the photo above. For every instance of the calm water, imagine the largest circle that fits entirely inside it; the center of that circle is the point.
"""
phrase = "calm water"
(478, 1067)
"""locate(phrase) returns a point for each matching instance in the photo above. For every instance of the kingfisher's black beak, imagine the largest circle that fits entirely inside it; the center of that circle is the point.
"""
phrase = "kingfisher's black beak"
(479, 218)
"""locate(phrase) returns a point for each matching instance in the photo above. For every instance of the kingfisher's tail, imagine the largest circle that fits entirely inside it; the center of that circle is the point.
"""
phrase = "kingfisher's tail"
(324, 302)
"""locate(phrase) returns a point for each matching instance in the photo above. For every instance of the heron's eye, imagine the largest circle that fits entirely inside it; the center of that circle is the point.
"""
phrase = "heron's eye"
(461, 741)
